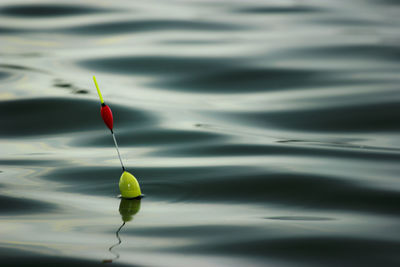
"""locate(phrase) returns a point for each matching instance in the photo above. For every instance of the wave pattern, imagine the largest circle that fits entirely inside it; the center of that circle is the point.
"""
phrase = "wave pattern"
(262, 133)
(46, 10)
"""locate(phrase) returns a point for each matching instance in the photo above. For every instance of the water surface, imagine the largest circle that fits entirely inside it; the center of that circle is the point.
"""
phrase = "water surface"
(263, 133)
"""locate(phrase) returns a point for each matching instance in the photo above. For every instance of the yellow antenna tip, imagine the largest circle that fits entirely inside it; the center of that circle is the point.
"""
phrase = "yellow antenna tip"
(98, 90)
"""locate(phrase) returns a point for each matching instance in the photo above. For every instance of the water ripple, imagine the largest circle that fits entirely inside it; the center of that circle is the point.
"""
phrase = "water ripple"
(270, 10)
(47, 10)
(238, 150)
(300, 218)
(150, 137)
(4, 75)
(27, 256)
(149, 25)
(379, 51)
(237, 185)
(377, 117)
(156, 65)
(316, 251)
(261, 133)
(60, 115)
(21, 206)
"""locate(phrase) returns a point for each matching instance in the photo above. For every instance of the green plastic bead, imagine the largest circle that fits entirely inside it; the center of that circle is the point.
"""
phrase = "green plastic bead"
(129, 186)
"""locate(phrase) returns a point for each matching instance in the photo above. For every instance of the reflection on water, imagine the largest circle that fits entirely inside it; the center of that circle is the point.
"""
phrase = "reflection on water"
(116, 254)
(263, 132)
(127, 208)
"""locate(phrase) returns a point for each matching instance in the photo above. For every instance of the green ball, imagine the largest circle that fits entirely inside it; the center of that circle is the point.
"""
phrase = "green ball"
(129, 186)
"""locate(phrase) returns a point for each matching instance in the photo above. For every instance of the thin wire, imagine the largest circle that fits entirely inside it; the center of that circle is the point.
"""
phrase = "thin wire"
(116, 146)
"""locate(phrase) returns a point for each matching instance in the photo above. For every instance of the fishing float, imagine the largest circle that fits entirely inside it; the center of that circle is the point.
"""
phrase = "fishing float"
(128, 185)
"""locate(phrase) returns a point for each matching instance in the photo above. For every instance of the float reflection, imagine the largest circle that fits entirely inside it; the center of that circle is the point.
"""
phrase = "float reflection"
(127, 209)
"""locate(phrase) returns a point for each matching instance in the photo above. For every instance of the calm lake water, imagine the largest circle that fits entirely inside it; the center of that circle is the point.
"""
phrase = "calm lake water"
(263, 133)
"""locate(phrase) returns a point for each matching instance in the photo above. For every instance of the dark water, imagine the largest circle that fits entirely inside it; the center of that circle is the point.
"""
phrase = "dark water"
(263, 133)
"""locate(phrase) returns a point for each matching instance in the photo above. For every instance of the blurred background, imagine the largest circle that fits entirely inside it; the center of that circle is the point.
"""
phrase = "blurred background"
(263, 133)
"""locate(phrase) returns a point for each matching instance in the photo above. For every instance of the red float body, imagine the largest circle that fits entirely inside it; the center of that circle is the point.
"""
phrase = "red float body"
(107, 116)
